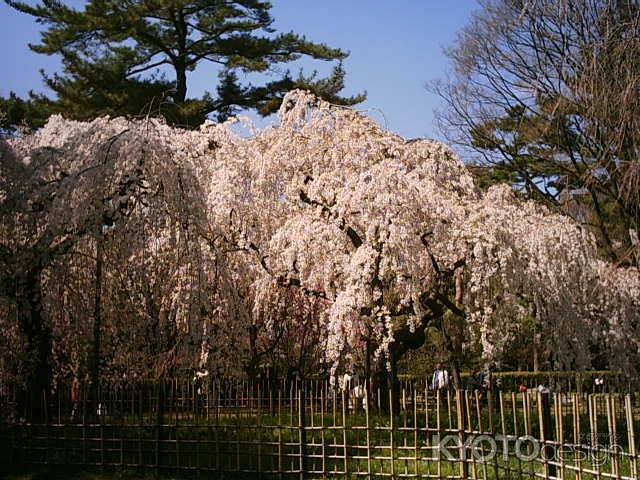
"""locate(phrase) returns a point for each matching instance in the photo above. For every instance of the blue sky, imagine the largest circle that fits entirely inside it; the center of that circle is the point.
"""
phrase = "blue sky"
(396, 47)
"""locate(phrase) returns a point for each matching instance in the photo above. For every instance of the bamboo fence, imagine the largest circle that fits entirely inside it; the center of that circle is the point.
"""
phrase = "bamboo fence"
(225, 429)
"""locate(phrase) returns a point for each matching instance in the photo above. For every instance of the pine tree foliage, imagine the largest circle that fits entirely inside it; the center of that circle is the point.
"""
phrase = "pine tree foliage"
(24, 114)
(117, 56)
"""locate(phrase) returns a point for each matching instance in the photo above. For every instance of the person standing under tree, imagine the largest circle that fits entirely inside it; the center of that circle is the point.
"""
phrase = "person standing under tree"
(440, 379)
(75, 396)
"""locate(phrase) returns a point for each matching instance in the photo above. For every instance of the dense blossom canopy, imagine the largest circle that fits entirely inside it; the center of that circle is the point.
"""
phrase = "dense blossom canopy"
(372, 238)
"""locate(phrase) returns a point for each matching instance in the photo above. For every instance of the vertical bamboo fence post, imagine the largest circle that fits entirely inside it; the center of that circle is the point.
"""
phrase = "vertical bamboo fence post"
(557, 404)
(312, 413)
(612, 436)
(366, 413)
(322, 429)
(416, 448)
(302, 431)
(460, 410)
(216, 433)
(546, 433)
(259, 415)
(344, 435)
(505, 445)
(392, 430)
(577, 439)
(593, 425)
(631, 436)
(280, 433)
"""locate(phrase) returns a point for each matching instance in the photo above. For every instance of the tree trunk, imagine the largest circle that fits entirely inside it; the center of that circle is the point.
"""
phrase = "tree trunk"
(395, 383)
(38, 337)
(456, 374)
(181, 84)
(97, 326)
(367, 376)
(385, 380)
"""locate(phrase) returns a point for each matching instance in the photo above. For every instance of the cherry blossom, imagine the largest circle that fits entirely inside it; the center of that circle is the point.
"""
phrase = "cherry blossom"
(323, 226)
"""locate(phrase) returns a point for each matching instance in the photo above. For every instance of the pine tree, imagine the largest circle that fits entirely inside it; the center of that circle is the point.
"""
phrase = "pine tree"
(23, 114)
(116, 55)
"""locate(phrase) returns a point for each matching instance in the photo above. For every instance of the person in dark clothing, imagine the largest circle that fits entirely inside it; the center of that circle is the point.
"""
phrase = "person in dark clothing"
(475, 381)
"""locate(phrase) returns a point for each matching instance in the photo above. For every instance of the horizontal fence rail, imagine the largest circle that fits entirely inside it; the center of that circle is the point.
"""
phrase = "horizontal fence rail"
(313, 430)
